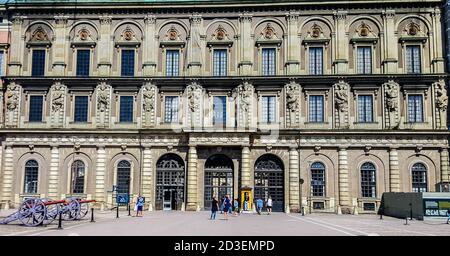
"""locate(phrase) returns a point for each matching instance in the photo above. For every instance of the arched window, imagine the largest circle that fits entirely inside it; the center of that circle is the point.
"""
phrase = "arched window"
(78, 172)
(419, 178)
(318, 179)
(123, 177)
(31, 177)
(368, 180)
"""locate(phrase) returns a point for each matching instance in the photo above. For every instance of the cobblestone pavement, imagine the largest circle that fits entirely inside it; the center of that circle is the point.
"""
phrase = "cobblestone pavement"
(198, 224)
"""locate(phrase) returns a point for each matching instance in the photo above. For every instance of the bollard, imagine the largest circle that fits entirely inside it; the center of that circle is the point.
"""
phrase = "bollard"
(60, 221)
(303, 211)
(129, 210)
(381, 216)
(117, 212)
(406, 220)
(92, 215)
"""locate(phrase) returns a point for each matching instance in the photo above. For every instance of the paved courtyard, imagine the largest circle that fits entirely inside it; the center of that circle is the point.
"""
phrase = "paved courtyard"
(198, 224)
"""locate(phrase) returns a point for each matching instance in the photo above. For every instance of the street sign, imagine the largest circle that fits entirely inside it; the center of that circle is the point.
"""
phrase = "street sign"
(122, 199)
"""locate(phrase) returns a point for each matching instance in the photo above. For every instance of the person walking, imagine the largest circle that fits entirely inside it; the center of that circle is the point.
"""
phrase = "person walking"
(226, 206)
(214, 208)
(236, 207)
(259, 205)
(269, 205)
(139, 206)
(222, 204)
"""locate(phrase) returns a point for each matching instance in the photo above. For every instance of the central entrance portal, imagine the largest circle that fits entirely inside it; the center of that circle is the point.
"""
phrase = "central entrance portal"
(169, 183)
(269, 180)
(218, 178)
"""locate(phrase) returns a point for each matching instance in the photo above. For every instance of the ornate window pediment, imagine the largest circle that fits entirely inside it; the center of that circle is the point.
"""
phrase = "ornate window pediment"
(220, 37)
(413, 32)
(39, 38)
(83, 38)
(172, 38)
(128, 38)
(315, 35)
(269, 36)
(364, 34)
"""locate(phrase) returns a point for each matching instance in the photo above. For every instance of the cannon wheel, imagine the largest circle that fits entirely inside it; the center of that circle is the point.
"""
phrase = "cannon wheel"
(52, 211)
(71, 210)
(32, 212)
(84, 209)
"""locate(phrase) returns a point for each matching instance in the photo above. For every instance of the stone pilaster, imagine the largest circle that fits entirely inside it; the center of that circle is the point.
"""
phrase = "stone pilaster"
(195, 50)
(147, 178)
(344, 195)
(149, 54)
(294, 191)
(53, 177)
(293, 60)
(59, 47)
(394, 171)
(100, 169)
(105, 46)
(437, 42)
(17, 47)
(7, 177)
(192, 184)
(245, 165)
(341, 62)
(391, 53)
(445, 173)
(246, 45)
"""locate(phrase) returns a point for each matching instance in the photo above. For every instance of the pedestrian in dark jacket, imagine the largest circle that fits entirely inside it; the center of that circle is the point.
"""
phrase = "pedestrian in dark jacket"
(214, 208)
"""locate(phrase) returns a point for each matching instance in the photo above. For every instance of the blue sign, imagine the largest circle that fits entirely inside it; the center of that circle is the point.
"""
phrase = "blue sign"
(122, 198)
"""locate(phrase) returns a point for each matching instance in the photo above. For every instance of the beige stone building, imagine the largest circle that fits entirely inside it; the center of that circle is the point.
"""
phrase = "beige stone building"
(321, 105)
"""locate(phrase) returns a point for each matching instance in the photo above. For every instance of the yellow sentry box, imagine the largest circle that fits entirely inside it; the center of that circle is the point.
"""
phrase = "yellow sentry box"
(246, 199)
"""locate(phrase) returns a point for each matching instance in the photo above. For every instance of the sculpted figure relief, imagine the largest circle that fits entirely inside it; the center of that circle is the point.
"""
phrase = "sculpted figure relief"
(341, 96)
(292, 96)
(57, 97)
(149, 93)
(12, 96)
(194, 94)
(244, 92)
(391, 89)
(441, 95)
(102, 97)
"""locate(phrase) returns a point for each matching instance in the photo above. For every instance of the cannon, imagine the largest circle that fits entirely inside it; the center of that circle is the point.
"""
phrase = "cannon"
(31, 213)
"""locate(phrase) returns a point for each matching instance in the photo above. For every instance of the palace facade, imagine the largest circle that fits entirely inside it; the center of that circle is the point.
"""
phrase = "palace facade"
(318, 105)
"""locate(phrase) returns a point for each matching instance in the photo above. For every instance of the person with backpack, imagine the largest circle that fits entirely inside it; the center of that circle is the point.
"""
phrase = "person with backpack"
(226, 206)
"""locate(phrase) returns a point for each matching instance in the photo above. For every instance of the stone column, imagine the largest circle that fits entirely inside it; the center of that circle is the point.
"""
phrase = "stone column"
(195, 51)
(245, 165)
(100, 169)
(445, 174)
(150, 55)
(147, 177)
(246, 45)
(294, 191)
(53, 177)
(105, 46)
(394, 171)
(293, 61)
(438, 60)
(341, 62)
(344, 196)
(192, 204)
(16, 52)
(391, 53)
(7, 177)
(59, 47)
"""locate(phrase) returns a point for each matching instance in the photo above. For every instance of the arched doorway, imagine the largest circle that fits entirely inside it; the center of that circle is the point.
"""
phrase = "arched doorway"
(169, 182)
(269, 180)
(218, 178)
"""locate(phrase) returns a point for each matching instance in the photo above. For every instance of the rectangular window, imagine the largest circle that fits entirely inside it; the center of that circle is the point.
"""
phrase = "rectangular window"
(316, 109)
(220, 110)
(268, 109)
(365, 108)
(415, 108)
(172, 62)
(220, 62)
(83, 60)
(315, 60)
(171, 106)
(268, 62)
(413, 59)
(38, 63)
(127, 63)
(126, 109)
(2, 61)
(35, 109)
(364, 60)
(81, 109)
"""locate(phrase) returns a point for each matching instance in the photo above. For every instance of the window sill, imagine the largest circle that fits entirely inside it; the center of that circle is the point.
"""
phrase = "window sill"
(363, 123)
(316, 123)
(81, 123)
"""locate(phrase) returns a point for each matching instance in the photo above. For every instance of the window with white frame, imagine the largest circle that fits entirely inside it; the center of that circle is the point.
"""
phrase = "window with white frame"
(220, 62)
(172, 63)
(368, 180)
(364, 60)
(268, 61)
(315, 60)
(413, 59)
(171, 109)
(415, 108)
(316, 108)
(268, 110)
(419, 178)
(365, 108)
